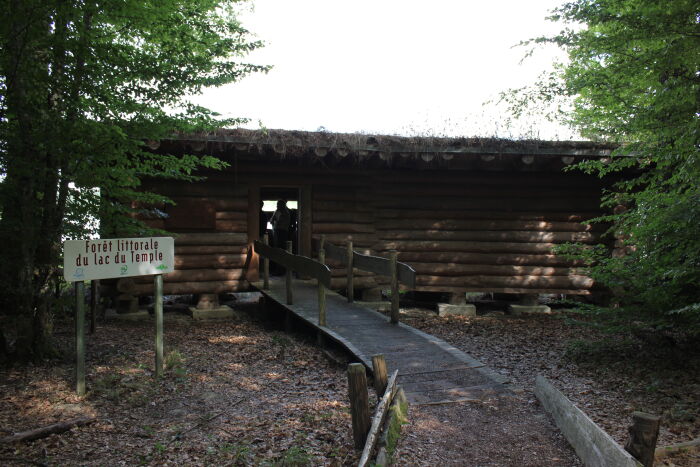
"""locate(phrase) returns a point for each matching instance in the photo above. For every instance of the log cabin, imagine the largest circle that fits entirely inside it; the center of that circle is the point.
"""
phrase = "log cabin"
(469, 215)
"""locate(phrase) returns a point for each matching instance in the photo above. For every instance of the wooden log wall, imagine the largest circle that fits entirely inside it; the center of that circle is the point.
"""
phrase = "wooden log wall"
(210, 223)
(488, 232)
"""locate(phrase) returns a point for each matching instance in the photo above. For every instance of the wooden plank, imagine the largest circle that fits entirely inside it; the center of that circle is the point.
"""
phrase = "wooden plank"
(490, 236)
(593, 445)
(416, 257)
(511, 290)
(303, 265)
(563, 282)
(378, 419)
(373, 264)
(334, 216)
(441, 214)
(342, 227)
(211, 249)
(234, 226)
(305, 221)
(481, 225)
(180, 288)
(455, 269)
(464, 247)
(233, 215)
(519, 204)
(216, 261)
(219, 238)
(336, 253)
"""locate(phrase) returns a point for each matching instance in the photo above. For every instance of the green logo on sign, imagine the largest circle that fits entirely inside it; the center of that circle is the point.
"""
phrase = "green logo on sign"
(162, 267)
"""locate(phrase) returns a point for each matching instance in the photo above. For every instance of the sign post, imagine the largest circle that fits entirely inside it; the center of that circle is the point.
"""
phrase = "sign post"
(80, 338)
(110, 258)
(158, 286)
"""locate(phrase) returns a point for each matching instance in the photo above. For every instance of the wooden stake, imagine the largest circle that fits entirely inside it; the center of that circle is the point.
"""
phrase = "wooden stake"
(80, 338)
(359, 403)
(94, 303)
(321, 293)
(351, 285)
(158, 309)
(393, 257)
(288, 276)
(266, 266)
(643, 435)
(380, 373)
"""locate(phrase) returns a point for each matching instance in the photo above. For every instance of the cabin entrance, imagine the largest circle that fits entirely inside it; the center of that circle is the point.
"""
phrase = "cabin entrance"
(285, 225)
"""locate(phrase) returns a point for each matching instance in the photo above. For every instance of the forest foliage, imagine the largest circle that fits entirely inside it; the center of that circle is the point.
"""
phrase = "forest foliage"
(633, 76)
(84, 87)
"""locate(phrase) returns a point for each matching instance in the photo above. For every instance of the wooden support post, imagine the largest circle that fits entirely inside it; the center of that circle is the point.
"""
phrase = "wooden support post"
(359, 403)
(94, 303)
(288, 276)
(393, 257)
(158, 310)
(380, 373)
(321, 293)
(322, 243)
(266, 266)
(80, 338)
(351, 285)
(643, 435)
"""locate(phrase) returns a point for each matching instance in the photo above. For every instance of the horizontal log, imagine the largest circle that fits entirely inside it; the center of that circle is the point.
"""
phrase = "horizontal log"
(367, 282)
(341, 206)
(341, 227)
(202, 275)
(344, 216)
(492, 235)
(433, 214)
(183, 288)
(232, 225)
(454, 269)
(202, 188)
(508, 290)
(462, 224)
(355, 194)
(411, 257)
(476, 247)
(43, 432)
(231, 215)
(343, 272)
(219, 238)
(563, 282)
(507, 204)
(484, 191)
(221, 261)
(220, 204)
(358, 240)
(210, 249)
(511, 178)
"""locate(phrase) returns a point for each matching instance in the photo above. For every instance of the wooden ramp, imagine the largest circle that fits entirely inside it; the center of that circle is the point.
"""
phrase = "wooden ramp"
(430, 370)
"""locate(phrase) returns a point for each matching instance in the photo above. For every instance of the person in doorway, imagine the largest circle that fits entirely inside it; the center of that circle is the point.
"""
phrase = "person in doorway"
(281, 221)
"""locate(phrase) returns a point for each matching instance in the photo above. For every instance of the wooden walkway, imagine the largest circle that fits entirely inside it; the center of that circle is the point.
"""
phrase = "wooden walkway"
(430, 370)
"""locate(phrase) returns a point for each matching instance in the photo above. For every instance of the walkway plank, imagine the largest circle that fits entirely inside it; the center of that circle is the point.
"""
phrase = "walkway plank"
(430, 370)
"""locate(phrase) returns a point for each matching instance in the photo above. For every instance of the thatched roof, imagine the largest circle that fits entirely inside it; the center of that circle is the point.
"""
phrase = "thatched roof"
(306, 146)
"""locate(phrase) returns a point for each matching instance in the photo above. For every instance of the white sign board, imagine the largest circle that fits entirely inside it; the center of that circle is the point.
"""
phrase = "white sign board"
(108, 258)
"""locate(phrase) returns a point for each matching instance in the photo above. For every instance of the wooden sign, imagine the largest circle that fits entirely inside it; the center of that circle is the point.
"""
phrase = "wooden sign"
(108, 258)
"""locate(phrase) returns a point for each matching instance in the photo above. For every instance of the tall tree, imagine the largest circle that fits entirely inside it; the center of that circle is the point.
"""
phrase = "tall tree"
(84, 85)
(634, 77)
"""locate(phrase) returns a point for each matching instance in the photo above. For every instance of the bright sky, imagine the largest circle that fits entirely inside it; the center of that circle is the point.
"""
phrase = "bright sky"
(391, 66)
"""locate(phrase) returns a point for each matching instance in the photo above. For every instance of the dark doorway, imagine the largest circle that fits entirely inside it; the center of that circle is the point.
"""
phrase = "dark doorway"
(269, 197)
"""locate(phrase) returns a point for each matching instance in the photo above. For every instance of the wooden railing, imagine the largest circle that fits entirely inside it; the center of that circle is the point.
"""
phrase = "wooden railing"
(302, 265)
(398, 272)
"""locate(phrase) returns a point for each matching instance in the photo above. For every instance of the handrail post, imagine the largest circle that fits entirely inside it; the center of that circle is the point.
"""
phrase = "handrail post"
(321, 293)
(350, 285)
(266, 265)
(288, 276)
(322, 243)
(393, 257)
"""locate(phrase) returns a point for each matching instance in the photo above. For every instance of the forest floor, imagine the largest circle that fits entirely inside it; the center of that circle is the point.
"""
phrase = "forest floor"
(607, 375)
(240, 393)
